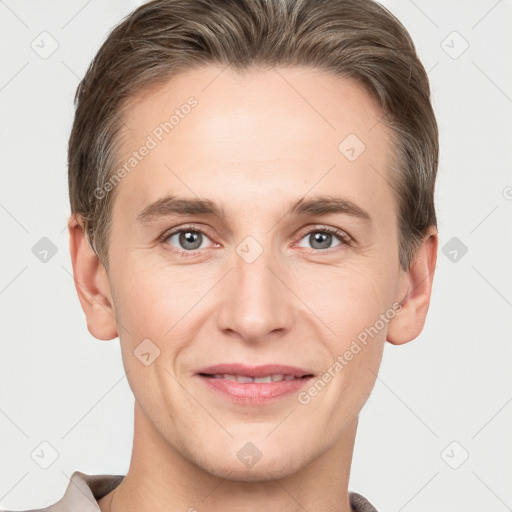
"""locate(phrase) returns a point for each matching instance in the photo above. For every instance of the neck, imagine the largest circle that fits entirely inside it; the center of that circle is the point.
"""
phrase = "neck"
(160, 478)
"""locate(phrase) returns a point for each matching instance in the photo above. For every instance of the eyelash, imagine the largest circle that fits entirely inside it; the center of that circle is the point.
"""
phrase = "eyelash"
(345, 240)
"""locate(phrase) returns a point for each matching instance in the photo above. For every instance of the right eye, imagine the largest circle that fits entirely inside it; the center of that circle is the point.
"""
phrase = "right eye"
(188, 239)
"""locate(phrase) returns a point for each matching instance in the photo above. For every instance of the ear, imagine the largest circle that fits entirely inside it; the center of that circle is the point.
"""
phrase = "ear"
(417, 287)
(91, 283)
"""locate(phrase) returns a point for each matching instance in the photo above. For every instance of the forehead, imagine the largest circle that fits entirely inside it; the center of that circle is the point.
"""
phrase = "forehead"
(212, 128)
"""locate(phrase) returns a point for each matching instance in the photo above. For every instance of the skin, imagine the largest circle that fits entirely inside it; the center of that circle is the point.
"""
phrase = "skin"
(253, 144)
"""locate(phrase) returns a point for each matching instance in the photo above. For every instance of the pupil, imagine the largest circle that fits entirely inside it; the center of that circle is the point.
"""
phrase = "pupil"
(190, 237)
(324, 239)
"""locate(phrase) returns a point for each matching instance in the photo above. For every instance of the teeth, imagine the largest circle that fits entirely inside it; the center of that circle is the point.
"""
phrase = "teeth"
(244, 379)
(238, 378)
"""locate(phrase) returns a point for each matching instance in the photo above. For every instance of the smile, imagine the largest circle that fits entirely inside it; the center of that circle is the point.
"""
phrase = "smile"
(254, 385)
(261, 380)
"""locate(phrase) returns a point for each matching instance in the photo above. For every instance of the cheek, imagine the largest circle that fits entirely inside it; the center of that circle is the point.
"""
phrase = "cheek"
(356, 304)
(152, 308)
(353, 312)
(355, 383)
(151, 311)
(152, 299)
(350, 301)
(347, 299)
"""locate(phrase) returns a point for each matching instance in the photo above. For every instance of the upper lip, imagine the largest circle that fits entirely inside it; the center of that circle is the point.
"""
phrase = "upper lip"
(254, 371)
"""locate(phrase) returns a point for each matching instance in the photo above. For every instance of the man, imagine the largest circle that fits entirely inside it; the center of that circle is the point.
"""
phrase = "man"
(252, 196)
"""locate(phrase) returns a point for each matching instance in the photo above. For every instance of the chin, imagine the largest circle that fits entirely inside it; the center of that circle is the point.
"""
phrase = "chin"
(229, 466)
(262, 473)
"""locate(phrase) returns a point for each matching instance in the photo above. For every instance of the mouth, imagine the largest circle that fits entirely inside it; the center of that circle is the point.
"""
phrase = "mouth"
(254, 385)
(276, 377)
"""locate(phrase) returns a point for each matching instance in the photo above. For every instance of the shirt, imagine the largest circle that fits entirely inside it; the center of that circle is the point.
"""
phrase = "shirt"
(84, 491)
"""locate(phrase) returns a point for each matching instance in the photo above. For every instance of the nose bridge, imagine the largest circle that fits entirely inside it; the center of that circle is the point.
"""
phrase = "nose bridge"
(258, 302)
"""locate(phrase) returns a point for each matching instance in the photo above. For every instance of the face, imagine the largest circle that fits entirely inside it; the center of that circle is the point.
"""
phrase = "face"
(256, 237)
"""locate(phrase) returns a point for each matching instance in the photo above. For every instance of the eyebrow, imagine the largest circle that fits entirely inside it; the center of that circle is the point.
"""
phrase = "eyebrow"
(313, 206)
(325, 205)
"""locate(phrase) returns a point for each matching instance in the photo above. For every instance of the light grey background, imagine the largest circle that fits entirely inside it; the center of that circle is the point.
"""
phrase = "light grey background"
(61, 386)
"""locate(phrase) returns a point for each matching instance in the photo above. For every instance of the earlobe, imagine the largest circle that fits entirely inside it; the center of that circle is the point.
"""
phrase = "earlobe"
(409, 322)
(91, 283)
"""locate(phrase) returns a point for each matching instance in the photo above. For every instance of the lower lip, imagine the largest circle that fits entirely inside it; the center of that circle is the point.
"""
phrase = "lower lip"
(255, 393)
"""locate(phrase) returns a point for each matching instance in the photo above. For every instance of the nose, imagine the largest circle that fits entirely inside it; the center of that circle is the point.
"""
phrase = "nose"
(257, 303)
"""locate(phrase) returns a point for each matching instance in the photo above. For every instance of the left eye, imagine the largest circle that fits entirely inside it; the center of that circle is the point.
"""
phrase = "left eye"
(188, 239)
(321, 239)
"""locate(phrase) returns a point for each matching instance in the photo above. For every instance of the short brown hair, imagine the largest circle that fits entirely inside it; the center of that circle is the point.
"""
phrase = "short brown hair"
(358, 39)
